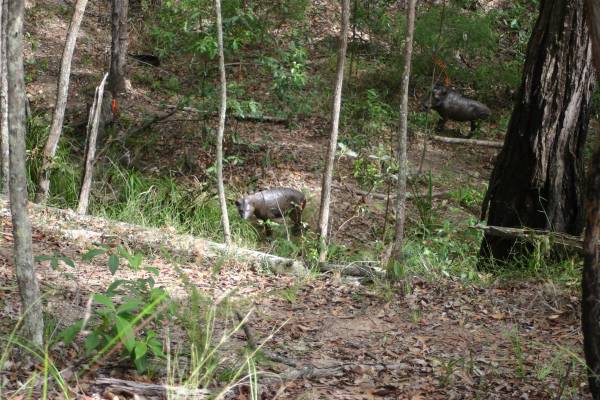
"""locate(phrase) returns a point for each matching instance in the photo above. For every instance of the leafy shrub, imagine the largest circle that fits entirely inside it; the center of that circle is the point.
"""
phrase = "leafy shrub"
(125, 313)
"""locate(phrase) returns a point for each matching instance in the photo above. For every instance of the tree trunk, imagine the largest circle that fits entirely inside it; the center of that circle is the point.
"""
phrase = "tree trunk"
(538, 176)
(90, 158)
(335, 119)
(28, 285)
(118, 51)
(221, 128)
(396, 254)
(61, 103)
(4, 162)
(590, 302)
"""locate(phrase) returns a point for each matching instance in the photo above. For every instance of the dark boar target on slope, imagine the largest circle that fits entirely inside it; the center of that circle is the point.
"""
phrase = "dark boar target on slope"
(273, 203)
(452, 105)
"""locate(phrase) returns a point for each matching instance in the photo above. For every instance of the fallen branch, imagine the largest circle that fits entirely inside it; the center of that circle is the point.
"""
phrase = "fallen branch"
(154, 120)
(564, 239)
(90, 230)
(148, 390)
(368, 269)
(252, 343)
(245, 118)
(309, 371)
(93, 230)
(382, 196)
(488, 143)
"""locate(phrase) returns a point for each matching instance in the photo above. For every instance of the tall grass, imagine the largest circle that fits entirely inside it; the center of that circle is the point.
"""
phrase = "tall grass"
(128, 195)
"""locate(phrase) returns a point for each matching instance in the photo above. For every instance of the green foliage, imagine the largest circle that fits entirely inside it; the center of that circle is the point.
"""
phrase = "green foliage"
(424, 205)
(440, 33)
(290, 10)
(372, 16)
(289, 73)
(160, 201)
(446, 251)
(187, 27)
(125, 313)
(367, 116)
(468, 197)
(65, 175)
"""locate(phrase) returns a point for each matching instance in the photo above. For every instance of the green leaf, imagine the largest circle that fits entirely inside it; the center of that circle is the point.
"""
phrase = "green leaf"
(113, 286)
(105, 300)
(135, 261)
(113, 263)
(140, 350)
(54, 263)
(68, 334)
(89, 256)
(67, 261)
(141, 365)
(43, 258)
(156, 347)
(152, 270)
(126, 333)
(91, 342)
(129, 306)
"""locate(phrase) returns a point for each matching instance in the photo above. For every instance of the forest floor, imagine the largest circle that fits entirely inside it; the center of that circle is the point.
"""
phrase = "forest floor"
(415, 339)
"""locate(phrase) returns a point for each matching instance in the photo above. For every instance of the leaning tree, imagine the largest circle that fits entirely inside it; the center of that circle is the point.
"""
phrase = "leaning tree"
(538, 176)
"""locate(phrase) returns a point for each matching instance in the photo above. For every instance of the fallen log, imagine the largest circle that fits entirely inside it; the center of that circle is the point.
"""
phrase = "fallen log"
(383, 196)
(245, 118)
(476, 142)
(312, 372)
(89, 230)
(575, 242)
(367, 269)
(147, 390)
(92, 230)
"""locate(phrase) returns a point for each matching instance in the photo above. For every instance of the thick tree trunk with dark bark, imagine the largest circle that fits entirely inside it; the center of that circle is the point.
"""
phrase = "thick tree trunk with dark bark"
(118, 51)
(590, 302)
(335, 121)
(537, 179)
(33, 325)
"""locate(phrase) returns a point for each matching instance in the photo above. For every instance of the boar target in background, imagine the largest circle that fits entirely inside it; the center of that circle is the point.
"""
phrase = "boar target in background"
(452, 105)
(273, 203)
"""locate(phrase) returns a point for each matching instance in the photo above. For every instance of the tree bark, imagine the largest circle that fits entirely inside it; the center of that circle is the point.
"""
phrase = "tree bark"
(221, 128)
(590, 303)
(590, 284)
(4, 161)
(33, 325)
(396, 254)
(62, 93)
(335, 120)
(90, 158)
(118, 51)
(538, 176)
